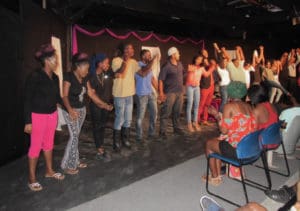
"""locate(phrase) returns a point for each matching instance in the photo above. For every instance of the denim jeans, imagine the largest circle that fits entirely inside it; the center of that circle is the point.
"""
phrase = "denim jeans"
(144, 102)
(275, 92)
(193, 99)
(275, 84)
(172, 105)
(123, 112)
(224, 97)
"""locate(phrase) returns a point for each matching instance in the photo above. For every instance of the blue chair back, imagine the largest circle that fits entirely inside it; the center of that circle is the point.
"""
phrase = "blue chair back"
(249, 148)
(271, 136)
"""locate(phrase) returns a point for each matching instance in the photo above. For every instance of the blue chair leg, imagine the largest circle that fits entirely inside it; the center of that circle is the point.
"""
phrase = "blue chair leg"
(266, 168)
(244, 185)
(253, 183)
(286, 163)
(287, 174)
(218, 196)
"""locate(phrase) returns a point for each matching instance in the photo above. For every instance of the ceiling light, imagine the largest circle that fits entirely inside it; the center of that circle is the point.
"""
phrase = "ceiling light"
(175, 18)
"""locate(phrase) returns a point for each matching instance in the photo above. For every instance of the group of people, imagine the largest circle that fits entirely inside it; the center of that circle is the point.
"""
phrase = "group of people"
(250, 105)
(107, 89)
(115, 88)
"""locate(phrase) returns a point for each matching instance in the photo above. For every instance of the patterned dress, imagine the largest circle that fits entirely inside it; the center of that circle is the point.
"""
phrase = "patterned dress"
(238, 126)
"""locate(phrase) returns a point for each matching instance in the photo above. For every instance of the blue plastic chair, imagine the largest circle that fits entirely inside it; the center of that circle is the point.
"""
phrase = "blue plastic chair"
(271, 139)
(248, 150)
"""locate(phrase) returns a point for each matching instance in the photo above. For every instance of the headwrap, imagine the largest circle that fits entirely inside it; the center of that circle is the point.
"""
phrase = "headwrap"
(80, 58)
(95, 60)
(236, 90)
(44, 51)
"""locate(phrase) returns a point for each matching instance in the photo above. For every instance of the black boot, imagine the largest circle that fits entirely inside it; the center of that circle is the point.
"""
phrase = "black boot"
(125, 134)
(117, 140)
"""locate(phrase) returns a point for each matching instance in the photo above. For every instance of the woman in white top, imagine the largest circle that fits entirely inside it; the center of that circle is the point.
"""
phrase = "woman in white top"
(275, 91)
(247, 68)
(225, 80)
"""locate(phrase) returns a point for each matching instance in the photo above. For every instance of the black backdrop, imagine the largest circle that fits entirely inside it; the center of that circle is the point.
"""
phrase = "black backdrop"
(23, 28)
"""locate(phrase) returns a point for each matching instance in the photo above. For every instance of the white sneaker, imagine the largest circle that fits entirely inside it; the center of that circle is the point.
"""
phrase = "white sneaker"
(209, 204)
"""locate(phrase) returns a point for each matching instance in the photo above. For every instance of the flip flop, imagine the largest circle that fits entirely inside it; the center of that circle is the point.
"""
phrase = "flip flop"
(35, 186)
(213, 181)
(82, 165)
(57, 176)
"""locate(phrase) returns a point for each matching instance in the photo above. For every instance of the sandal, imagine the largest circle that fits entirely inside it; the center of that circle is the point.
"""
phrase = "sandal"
(82, 165)
(57, 176)
(71, 171)
(35, 186)
(213, 181)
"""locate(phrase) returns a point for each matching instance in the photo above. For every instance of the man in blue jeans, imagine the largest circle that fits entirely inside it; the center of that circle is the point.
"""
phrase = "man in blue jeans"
(144, 80)
(171, 92)
(123, 91)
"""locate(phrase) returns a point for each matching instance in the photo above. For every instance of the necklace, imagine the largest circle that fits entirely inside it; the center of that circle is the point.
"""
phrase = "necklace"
(101, 78)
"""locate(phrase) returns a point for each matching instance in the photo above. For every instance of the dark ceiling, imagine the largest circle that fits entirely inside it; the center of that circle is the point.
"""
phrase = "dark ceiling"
(194, 18)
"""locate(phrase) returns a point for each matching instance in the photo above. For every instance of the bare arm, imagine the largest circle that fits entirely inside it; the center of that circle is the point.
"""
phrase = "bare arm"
(162, 96)
(237, 52)
(191, 68)
(253, 60)
(225, 54)
(217, 50)
(121, 73)
(154, 83)
(241, 53)
(147, 69)
(227, 113)
(291, 55)
(261, 57)
(209, 71)
(216, 47)
(66, 88)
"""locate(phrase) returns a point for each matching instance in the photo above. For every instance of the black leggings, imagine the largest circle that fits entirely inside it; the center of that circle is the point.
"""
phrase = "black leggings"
(99, 118)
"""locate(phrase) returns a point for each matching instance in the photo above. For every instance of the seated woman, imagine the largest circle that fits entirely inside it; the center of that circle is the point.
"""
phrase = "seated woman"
(264, 112)
(237, 121)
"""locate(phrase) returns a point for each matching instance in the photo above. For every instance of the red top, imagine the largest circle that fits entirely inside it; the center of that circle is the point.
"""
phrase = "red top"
(273, 117)
(238, 126)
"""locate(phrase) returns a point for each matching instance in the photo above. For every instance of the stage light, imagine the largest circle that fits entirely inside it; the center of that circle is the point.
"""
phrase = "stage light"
(175, 18)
